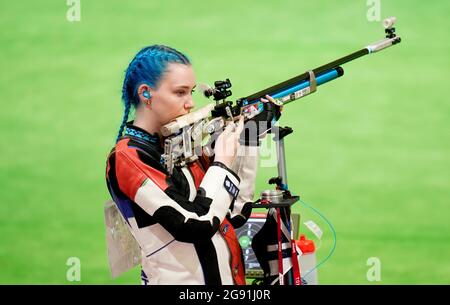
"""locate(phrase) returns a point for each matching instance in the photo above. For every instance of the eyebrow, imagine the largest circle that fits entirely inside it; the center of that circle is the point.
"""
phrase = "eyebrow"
(185, 87)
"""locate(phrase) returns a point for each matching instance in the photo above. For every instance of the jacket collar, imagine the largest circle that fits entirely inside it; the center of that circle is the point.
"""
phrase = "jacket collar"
(150, 138)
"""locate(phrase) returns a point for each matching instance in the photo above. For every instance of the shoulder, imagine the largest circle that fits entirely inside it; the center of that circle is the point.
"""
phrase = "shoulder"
(133, 165)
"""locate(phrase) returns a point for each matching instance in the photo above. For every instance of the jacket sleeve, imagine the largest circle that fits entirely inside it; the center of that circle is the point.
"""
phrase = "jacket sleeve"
(154, 192)
(246, 166)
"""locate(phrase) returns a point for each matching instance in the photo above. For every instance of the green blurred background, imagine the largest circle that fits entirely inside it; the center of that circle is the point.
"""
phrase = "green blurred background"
(370, 150)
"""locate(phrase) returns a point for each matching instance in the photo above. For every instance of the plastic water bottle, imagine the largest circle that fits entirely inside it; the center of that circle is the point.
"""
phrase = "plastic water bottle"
(307, 260)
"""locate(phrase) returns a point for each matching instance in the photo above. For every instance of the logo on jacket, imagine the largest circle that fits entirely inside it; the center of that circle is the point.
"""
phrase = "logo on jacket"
(230, 187)
(225, 229)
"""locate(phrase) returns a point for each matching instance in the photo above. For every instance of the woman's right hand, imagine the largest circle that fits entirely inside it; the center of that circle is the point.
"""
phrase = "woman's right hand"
(227, 143)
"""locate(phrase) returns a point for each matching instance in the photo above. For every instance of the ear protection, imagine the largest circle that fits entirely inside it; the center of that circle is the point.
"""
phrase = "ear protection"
(146, 94)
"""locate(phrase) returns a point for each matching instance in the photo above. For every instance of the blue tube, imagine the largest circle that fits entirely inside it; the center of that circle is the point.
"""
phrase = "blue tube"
(321, 79)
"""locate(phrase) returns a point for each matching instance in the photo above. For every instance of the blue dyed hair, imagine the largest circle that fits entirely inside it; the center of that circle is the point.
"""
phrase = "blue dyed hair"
(147, 67)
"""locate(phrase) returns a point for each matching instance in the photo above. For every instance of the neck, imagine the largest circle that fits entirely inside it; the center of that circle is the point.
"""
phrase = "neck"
(147, 121)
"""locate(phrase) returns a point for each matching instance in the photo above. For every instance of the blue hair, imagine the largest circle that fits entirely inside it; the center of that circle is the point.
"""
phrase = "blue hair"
(147, 67)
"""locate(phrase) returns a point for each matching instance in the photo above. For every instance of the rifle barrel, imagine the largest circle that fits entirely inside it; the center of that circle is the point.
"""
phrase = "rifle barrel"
(325, 73)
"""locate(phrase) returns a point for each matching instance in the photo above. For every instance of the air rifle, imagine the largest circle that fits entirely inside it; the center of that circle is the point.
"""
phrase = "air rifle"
(185, 136)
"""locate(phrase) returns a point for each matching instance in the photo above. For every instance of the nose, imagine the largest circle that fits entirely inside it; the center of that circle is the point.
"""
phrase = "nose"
(189, 103)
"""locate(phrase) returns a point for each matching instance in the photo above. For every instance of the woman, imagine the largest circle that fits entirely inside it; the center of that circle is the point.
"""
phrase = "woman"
(184, 222)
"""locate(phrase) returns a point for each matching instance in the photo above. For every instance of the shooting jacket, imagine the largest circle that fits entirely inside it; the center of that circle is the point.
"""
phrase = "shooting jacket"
(183, 223)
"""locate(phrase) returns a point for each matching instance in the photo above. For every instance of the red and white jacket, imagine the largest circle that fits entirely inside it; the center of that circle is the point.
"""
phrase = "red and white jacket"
(184, 223)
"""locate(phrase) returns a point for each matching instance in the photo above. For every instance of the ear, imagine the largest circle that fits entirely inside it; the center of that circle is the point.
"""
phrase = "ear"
(141, 89)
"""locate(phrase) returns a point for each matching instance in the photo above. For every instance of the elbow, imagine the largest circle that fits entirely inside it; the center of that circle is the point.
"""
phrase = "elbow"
(193, 230)
(190, 230)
